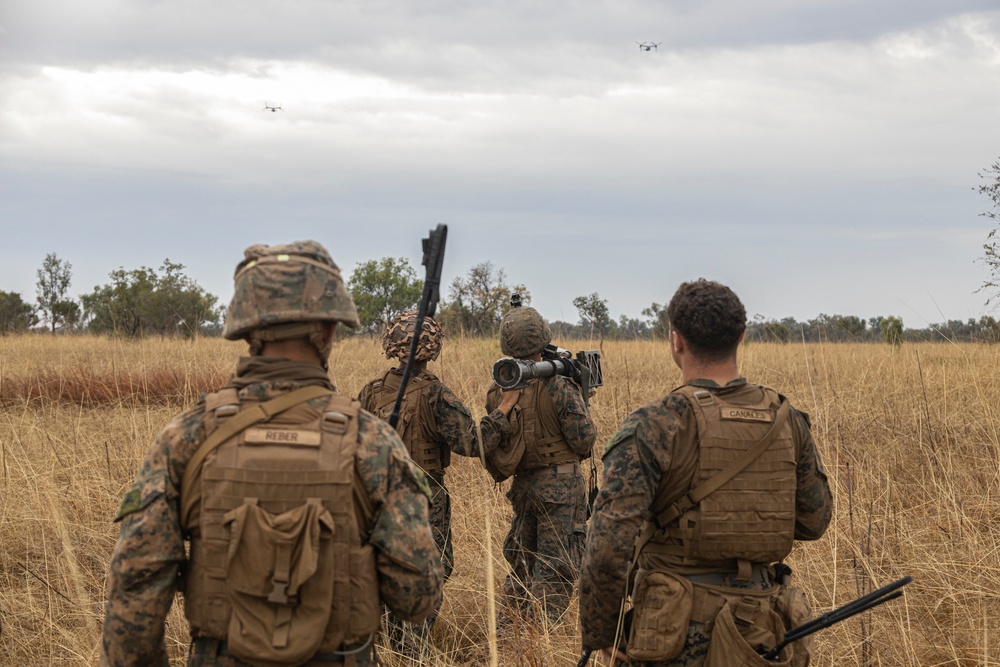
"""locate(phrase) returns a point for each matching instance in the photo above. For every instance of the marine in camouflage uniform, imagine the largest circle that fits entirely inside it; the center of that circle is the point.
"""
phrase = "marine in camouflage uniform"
(287, 301)
(548, 496)
(657, 449)
(433, 423)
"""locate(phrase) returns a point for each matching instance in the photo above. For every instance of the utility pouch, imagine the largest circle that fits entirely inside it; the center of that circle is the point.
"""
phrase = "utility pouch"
(732, 648)
(794, 609)
(662, 603)
(276, 619)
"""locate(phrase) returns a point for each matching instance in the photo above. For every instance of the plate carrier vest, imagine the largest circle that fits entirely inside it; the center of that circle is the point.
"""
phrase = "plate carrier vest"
(275, 515)
(416, 418)
(535, 421)
(750, 517)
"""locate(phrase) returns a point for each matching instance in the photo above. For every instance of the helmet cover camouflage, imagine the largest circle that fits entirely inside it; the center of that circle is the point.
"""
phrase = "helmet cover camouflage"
(523, 332)
(399, 333)
(286, 284)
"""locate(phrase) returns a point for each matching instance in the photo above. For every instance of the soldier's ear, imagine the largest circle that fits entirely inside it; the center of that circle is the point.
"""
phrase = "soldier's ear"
(677, 343)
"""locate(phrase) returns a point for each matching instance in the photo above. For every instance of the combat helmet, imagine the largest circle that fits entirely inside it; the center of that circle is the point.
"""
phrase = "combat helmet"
(398, 335)
(287, 291)
(523, 332)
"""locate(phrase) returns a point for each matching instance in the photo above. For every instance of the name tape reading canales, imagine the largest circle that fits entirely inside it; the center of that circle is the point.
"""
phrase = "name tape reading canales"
(747, 414)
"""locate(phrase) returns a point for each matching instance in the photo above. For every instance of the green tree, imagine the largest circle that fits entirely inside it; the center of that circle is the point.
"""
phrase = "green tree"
(383, 288)
(847, 328)
(631, 328)
(16, 316)
(53, 282)
(659, 325)
(140, 303)
(479, 300)
(68, 313)
(774, 330)
(892, 330)
(990, 329)
(594, 313)
(991, 252)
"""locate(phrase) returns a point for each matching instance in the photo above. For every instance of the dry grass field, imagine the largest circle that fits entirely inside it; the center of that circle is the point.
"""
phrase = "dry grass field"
(909, 437)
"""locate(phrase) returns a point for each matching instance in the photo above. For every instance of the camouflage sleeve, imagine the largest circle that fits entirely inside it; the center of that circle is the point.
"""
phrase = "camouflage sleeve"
(408, 561)
(813, 500)
(147, 558)
(631, 476)
(494, 427)
(574, 417)
(455, 423)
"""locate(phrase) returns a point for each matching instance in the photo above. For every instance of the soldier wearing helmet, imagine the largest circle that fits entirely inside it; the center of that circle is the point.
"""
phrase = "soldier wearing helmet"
(539, 434)
(433, 423)
(285, 514)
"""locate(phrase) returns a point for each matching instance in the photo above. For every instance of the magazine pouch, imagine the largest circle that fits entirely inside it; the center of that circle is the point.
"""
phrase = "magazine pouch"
(662, 603)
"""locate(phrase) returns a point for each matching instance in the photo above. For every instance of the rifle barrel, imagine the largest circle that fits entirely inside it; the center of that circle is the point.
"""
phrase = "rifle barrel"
(433, 247)
(873, 599)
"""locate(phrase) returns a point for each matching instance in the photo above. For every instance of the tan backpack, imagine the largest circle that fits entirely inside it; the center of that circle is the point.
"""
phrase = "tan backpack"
(278, 566)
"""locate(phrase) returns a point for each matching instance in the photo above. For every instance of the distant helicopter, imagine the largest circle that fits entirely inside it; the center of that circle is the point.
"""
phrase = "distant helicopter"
(272, 109)
(648, 46)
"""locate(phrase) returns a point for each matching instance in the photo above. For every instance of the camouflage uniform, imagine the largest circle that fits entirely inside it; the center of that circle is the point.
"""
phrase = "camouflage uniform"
(455, 429)
(149, 559)
(548, 526)
(637, 459)
(437, 416)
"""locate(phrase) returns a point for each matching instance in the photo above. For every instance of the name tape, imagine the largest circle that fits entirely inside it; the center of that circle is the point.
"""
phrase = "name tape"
(747, 414)
(275, 436)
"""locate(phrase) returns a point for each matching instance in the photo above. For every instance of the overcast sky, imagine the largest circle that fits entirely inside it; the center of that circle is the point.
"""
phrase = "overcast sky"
(819, 156)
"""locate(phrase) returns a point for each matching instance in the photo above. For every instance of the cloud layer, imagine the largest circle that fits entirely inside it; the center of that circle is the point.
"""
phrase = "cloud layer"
(820, 156)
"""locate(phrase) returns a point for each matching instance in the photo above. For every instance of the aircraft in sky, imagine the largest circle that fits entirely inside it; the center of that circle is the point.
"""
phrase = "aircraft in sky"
(272, 109)
(648, 46)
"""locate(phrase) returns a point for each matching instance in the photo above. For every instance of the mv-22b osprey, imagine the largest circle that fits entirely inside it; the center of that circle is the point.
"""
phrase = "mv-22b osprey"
(648, 46)
(272, 109)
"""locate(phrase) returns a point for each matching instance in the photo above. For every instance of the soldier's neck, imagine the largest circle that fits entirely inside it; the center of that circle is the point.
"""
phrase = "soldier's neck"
(721, 373)
(296, 349)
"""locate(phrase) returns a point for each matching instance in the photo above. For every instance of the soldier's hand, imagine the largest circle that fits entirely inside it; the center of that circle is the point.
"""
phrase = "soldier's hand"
(509, 400)
(613, 658)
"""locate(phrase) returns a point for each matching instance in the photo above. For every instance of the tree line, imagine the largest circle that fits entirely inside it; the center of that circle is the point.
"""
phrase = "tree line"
(166, 302)
(135, 303)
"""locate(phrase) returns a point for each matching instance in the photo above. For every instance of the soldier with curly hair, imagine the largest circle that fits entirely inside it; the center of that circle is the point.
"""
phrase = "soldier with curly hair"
(539, 434)
(704, 491)
(433, 424)
(285, 514)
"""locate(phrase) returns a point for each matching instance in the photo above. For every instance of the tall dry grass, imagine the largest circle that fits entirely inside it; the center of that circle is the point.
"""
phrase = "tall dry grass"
(909, 437)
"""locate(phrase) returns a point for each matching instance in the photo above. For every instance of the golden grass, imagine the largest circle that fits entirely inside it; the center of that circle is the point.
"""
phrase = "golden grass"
(909, 437)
